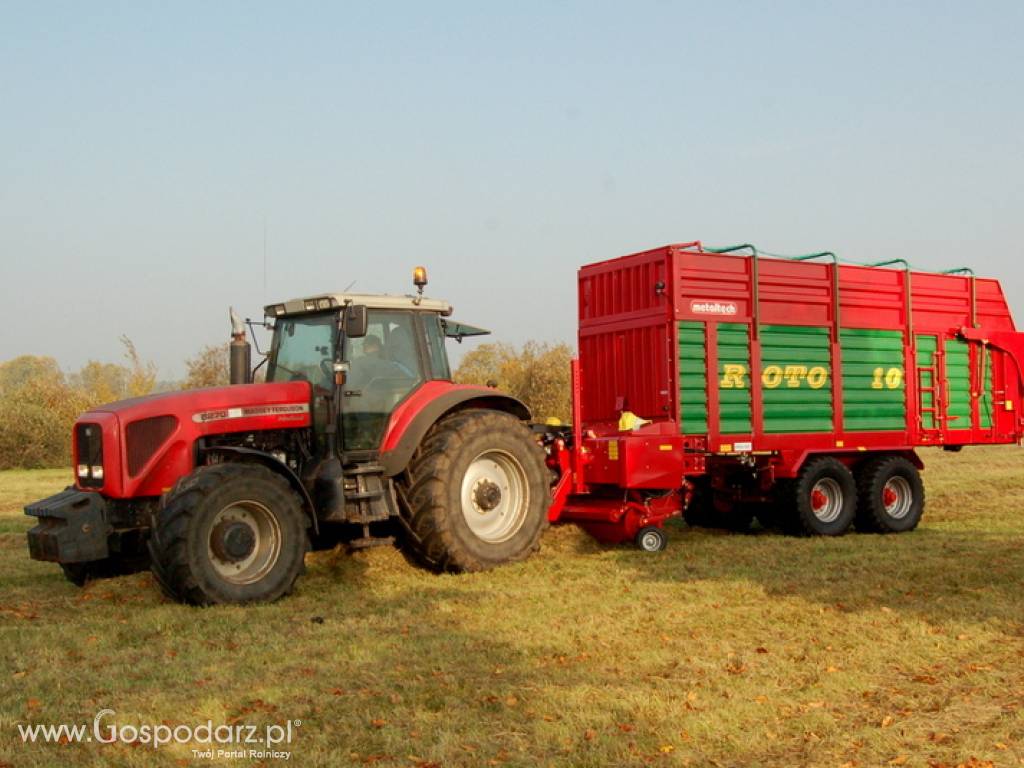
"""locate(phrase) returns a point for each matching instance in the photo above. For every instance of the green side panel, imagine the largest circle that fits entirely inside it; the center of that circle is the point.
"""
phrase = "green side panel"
(792, 404)
(874, 380)
(926, 346)
(985, 401)
(693, 378)
(734, 401)
(958, 376)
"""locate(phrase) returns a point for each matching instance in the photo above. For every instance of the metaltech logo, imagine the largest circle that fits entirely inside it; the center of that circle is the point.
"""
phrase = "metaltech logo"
(713, 308)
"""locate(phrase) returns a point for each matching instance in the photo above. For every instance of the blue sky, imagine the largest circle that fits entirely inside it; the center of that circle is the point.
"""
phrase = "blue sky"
(144, 145)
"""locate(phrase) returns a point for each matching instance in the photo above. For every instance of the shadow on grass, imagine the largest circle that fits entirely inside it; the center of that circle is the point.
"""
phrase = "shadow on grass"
(935, 573)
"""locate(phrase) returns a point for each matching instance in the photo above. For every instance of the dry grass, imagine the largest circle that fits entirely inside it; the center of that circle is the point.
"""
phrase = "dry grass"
(724, 650)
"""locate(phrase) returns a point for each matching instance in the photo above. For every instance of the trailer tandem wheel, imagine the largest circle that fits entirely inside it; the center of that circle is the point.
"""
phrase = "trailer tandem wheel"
(822, 499)
(891, 495)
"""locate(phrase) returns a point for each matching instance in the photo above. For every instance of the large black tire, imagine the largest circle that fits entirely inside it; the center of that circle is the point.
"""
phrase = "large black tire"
(822, 501)
(481, 467)
(890, 495)
(200, 535)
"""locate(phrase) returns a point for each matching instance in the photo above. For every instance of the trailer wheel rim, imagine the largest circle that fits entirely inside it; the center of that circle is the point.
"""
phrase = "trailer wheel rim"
(827, 500)
(495, 496)
(897, 497)
(244, 543)
(650, 541)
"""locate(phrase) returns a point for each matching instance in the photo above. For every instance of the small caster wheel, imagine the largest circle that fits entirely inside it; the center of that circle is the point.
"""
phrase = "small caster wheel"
(651, 539)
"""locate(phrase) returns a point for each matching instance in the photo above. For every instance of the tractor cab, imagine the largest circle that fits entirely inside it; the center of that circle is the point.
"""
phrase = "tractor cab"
(363, 354)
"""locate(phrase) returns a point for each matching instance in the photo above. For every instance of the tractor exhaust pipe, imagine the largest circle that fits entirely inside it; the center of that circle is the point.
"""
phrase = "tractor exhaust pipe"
(240, 361)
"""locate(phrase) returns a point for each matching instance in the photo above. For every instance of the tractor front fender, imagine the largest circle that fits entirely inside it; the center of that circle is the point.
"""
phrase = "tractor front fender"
(273, 464)
(430, 403)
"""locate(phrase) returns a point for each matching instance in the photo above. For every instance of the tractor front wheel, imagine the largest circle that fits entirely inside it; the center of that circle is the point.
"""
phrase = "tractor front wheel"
(475, 494)
(229, 533)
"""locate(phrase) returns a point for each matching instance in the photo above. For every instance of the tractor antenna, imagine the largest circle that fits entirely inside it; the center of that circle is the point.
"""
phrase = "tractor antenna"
(348, 287)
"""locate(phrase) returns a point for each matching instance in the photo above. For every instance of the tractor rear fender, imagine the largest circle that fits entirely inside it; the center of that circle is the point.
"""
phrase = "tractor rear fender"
(272, 463)
(433, 401)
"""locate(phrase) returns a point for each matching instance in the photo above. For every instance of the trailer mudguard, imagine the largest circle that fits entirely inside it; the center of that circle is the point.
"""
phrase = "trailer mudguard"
(415, 416)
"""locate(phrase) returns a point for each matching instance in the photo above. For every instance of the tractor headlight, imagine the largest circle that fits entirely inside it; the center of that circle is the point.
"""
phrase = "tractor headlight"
(97, 471)
(83, 470)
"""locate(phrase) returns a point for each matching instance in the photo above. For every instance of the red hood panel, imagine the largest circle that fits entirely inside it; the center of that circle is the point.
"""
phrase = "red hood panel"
(197, 413)
(191, 401)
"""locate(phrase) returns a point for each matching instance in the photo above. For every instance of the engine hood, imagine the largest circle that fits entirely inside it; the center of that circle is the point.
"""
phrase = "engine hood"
(203, 405)
(150, 442)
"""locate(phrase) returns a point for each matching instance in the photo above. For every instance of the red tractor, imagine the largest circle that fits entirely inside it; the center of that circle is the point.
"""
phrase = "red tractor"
(357, 435)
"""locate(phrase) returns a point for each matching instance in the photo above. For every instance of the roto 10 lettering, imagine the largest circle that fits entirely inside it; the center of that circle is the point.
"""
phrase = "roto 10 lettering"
(734, 376)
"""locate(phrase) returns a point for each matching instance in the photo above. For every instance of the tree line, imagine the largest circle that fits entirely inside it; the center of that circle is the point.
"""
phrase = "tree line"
(40, 402)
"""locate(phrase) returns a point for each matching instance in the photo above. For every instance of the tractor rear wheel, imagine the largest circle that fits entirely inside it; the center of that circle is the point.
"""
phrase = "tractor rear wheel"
(891, 495)
(475, 494)
(229, 533)
(822, 500)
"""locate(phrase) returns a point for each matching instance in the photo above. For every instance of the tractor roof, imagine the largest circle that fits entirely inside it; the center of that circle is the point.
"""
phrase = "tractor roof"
(324, 301)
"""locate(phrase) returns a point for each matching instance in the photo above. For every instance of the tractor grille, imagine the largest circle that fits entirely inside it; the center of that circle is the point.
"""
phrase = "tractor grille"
(143, 439)
(89, 450)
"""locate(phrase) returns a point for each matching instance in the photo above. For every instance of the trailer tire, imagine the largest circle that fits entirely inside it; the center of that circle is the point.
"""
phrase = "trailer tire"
(822, 499)
(891, 495)
(229, 533)
(475, 494)
(650, 538)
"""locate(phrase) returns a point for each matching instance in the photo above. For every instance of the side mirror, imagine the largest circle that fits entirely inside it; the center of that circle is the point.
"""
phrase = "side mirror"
(353, 321)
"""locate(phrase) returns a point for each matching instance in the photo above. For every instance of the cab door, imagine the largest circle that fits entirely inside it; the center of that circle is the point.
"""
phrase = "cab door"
(385, 365)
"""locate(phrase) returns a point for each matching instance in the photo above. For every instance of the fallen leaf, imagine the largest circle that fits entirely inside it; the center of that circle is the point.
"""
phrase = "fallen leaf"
(886, 721)
(378, 723)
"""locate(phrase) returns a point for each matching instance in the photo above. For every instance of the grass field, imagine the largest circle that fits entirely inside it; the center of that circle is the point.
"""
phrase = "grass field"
(724, 650)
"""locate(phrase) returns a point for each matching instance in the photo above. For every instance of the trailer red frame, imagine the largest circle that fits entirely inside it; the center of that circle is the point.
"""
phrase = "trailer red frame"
(730, 359)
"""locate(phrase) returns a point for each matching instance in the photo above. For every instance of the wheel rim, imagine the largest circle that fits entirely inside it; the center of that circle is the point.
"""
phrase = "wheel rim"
(827, 500)
(650, 541)
(244, 542)
(897, 497)
(495, 496)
